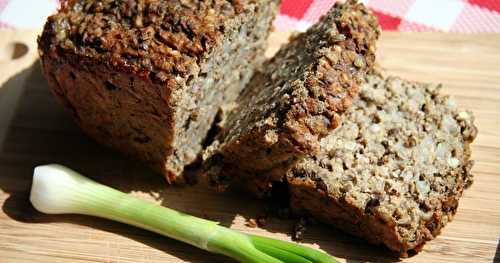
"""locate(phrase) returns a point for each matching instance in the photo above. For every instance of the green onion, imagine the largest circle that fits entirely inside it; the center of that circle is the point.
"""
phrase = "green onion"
(59, 190)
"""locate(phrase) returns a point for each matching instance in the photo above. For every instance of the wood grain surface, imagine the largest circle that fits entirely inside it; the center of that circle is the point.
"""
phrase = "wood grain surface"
(35, 130)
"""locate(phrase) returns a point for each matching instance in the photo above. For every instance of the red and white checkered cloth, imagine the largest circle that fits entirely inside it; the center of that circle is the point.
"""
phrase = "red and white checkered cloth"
(467, 16)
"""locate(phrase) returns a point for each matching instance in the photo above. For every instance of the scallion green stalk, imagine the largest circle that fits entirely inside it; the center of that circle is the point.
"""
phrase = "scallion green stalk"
(59, 190)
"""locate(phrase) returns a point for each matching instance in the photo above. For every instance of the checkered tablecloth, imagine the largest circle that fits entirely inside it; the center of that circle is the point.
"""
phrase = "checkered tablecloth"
(468, 16)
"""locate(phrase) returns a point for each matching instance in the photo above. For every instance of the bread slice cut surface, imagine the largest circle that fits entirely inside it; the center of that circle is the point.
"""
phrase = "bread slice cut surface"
(393, 173)
(294, 100)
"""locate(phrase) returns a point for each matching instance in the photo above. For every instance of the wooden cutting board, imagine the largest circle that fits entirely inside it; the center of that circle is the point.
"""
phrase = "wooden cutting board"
(35, 130)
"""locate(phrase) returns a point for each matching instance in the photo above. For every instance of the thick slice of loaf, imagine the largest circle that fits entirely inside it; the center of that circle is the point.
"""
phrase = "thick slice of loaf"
(147, 77)
(394, 171)
(295, 100)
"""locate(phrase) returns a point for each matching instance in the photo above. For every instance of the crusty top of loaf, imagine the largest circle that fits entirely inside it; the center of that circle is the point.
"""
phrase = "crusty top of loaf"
(158, 39)
(402, 154)
(301, 91)
(343, 48)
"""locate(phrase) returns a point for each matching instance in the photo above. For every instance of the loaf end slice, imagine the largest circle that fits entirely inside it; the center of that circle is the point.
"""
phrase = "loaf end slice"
(294, 100)
(147, 77)
(393, 173)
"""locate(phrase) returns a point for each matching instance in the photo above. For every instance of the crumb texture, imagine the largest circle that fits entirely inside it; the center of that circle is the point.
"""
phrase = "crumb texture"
(298, 96)
(395, 170)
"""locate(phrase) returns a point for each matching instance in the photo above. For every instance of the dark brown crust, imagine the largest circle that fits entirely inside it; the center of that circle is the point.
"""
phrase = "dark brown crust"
(93, 106)
(123, 67)
(150, 38)
(331, 82)
(296, 99)
(306, 199)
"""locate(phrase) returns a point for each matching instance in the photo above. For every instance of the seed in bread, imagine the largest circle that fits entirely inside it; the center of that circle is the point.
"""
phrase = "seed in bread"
(393, 173)
(295, 100)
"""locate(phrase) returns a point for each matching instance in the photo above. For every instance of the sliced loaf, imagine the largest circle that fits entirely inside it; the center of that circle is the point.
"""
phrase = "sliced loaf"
(394, 171)
(147, 77)
(295, 100)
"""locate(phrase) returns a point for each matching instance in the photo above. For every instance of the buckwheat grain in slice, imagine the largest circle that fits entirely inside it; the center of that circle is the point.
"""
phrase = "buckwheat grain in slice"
(394, 171)
(297, 98)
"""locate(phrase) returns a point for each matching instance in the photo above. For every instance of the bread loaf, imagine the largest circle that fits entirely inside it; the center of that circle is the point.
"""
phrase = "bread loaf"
(147, 77)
